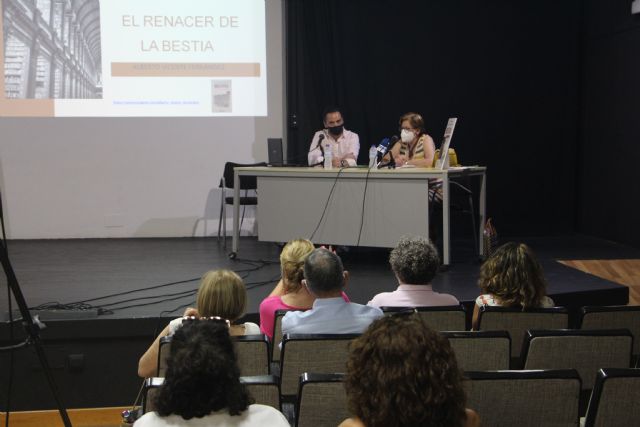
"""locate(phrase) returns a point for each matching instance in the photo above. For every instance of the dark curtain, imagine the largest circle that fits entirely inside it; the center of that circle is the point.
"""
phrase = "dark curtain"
(609, 200)
(509, 70)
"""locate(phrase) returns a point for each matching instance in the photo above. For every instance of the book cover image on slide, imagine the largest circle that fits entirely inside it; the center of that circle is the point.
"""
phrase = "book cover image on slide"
(52, 49)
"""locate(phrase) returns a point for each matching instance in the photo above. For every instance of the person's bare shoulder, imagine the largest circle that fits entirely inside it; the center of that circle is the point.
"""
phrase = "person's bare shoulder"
(352, 422)
(473, 419)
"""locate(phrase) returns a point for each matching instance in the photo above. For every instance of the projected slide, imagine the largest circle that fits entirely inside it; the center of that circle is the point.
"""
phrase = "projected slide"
(121, 58)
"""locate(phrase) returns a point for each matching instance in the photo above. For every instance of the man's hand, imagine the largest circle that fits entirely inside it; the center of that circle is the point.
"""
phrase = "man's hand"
(336, 163)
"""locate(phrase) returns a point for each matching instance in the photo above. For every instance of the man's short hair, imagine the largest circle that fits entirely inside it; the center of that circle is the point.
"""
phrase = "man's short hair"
(330, 109)
(414, 260)
(323, 271)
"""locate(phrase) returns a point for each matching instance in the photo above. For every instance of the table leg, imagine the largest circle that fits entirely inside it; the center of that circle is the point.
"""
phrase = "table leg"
(236, 214)
(445, 220)
(428, 215)
(483, 211)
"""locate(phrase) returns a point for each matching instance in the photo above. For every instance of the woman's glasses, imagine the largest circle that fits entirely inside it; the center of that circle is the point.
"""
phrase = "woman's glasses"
(211, 318)
(405, 312)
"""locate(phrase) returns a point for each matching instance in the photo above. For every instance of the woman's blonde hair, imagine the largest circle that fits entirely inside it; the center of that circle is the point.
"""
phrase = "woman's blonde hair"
(292, 262)
(222, 293)
(514, 275)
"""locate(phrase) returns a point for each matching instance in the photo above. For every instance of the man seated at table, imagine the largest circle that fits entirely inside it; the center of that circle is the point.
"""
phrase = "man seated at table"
(414, 262)
(345, 144)
(325, 279)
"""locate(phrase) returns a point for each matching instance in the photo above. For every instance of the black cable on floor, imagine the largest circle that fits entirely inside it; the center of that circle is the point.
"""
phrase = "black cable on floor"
(255, 265)
(364, 198)
(335, 181)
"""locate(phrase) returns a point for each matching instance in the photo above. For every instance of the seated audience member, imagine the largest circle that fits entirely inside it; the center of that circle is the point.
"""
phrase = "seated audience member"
(402, 373)
(415, 263)
(289, 294)
(202, 385)
(512, 277)
(221, 293)
(324, 277)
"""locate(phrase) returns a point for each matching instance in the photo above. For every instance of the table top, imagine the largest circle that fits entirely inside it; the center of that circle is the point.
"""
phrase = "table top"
(359, 172)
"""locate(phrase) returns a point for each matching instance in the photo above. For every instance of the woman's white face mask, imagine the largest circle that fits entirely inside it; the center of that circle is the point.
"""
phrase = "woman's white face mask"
(407, 136)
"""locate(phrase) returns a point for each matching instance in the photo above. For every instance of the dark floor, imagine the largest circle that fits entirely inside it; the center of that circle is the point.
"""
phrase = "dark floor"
(69, 271)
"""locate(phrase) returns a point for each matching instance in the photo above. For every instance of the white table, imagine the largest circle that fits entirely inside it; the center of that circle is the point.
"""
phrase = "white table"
(291, 202)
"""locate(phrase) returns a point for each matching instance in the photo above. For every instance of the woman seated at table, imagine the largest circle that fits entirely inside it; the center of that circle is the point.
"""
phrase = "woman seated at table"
(223, 294)
(415, 146)
(289, 293)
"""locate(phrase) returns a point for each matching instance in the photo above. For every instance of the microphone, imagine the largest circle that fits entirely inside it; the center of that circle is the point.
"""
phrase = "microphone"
(320, 139)
(385, 147)
(394, 141)
(382, 149)
(319, 145)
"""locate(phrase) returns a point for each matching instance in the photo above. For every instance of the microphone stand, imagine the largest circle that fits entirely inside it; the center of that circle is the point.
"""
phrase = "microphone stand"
(391, 164)
(32, 329)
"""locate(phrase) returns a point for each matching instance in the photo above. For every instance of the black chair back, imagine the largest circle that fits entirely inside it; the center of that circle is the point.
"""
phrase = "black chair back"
(614, 397)
(246, 182)
(524, 398)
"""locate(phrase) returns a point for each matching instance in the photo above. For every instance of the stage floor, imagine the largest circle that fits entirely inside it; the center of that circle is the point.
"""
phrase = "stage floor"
(128, 272)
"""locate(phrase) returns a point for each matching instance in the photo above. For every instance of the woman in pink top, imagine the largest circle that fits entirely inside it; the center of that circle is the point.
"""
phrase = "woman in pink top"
(289, 293)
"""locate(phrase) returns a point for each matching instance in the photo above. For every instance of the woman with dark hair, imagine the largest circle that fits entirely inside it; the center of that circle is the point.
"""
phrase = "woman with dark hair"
(402, 373)
(512, 277)
(202, 384)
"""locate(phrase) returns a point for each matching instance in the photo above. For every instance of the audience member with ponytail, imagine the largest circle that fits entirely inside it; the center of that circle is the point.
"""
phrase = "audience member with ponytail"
(289, 294)
(221, 294)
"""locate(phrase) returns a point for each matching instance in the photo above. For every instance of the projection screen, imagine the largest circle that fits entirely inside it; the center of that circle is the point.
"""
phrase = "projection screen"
(133, 58)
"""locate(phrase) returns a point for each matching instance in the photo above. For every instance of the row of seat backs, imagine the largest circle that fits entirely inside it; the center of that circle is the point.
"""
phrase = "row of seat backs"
(552, 397)
(323, 353)
(512, 320)
(583, 350)
(321, 397)
(252, 352)
(440, 318)
(502, 398)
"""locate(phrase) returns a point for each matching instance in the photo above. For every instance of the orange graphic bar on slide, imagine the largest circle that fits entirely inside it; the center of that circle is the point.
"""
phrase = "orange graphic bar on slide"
(185, 69)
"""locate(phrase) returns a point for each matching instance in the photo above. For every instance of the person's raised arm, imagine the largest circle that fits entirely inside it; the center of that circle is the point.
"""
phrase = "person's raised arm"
(148, 363)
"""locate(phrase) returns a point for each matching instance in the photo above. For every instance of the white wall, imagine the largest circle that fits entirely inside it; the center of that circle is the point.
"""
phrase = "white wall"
(132, 177)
